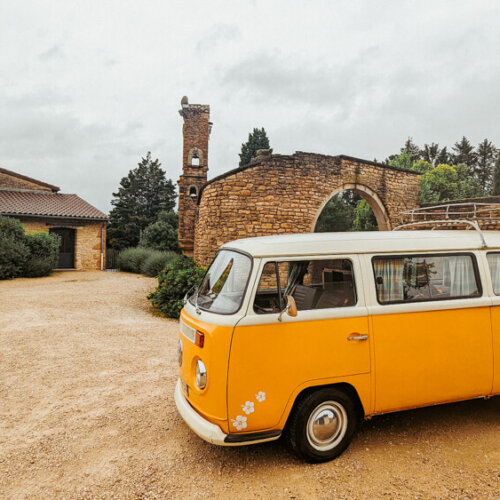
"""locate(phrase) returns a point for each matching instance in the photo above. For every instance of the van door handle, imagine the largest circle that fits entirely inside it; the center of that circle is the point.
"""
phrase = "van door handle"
(357, 336)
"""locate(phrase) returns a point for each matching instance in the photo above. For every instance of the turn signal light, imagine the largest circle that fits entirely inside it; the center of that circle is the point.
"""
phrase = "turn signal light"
(199, 339)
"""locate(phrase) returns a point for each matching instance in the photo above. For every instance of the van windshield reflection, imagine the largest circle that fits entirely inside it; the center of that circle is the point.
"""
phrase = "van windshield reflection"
(223, 287)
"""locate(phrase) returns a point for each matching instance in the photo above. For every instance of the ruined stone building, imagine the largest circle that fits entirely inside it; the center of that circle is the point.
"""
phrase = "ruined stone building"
(42, 208)
(274, 193)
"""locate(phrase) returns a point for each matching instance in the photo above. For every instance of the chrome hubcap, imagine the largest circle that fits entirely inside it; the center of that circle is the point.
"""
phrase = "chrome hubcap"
(327, 425)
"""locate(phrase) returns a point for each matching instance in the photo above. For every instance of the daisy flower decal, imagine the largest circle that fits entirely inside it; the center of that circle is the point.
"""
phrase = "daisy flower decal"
(239, 422)
(260, 396)
(248, 407)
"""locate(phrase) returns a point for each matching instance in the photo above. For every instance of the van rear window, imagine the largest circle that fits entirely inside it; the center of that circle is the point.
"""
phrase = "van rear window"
(425, 277)
(494, 265)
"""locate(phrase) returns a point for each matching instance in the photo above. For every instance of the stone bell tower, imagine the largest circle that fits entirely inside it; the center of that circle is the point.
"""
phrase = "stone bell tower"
(195, 131)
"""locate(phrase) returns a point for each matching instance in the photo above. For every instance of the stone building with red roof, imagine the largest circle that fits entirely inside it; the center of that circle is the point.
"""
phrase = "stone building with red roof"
(42, 208)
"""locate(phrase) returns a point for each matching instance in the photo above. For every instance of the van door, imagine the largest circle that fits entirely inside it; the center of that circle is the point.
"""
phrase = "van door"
(431, 330)
(271, 359)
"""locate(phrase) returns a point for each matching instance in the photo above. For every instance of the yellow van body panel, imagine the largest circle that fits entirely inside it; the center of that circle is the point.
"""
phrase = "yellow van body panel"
(495, 321)
(430, 357)
(210, 402)
(270, 364)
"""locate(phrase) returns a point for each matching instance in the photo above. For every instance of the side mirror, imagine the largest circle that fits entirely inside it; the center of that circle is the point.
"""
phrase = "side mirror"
(290, 309)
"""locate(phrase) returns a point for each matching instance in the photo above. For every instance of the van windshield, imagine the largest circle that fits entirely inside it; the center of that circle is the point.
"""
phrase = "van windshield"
(223, 287)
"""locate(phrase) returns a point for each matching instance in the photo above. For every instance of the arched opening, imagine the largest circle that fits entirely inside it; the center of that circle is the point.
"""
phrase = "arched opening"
(195, 157)
(352, 207)
(193, 192)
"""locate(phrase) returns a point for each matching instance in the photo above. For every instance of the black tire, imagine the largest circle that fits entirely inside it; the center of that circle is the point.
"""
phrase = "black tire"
(328, 438)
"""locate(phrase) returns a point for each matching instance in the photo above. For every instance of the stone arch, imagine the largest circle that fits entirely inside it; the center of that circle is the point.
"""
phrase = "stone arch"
(192, 191)
(278, 194)
(195, 153)
(367, 194)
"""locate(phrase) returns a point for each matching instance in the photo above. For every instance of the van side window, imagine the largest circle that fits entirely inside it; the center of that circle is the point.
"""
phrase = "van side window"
(425, 277)
(314, 284)
(494, 265)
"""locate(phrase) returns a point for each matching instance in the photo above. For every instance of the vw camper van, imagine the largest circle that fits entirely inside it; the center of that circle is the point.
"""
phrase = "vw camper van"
(305, 335)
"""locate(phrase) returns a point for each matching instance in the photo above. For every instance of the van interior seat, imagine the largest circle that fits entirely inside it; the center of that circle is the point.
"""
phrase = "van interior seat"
(305, 297)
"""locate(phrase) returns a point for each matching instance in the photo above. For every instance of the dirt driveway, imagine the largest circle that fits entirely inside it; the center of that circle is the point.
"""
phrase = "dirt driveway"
(87, 374)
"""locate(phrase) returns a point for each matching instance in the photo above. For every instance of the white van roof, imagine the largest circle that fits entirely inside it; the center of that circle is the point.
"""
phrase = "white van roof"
(364, 242)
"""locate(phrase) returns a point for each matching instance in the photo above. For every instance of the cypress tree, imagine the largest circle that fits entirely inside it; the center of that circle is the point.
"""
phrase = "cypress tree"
(256, 140)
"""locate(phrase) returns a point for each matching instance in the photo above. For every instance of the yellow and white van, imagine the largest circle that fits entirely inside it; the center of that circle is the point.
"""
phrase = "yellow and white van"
(304, 335)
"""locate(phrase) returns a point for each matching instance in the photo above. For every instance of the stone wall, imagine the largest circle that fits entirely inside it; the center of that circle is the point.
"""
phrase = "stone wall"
(277, 194)
(87, 240)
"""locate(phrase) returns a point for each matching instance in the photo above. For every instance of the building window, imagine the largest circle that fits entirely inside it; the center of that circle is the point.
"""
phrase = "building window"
(195, 162)
(193, 192)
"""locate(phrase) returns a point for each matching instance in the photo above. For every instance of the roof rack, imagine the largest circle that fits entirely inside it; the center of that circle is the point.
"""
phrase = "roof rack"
(447, 222)
(468, 210)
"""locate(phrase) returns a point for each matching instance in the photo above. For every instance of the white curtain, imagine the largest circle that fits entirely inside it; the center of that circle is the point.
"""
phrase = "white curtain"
(494, 263)
(461, 276)
(390, 272)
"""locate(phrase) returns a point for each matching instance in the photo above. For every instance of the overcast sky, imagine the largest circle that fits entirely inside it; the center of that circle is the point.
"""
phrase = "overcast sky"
(88, 87)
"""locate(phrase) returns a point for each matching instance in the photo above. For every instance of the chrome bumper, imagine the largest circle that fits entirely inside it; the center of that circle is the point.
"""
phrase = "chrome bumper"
(211, 432)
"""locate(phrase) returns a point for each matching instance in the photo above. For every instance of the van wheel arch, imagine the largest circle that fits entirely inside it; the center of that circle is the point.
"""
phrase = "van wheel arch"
(348, 389)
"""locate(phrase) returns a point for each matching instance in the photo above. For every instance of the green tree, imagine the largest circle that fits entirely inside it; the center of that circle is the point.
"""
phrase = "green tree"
(364, 218)
(162, 234)
(256, 140)
(404, 160)
(433, 154)
(338, 215)
(464, 153)
(142, 195)
(483, 171)
(411, 149)
(496, 177)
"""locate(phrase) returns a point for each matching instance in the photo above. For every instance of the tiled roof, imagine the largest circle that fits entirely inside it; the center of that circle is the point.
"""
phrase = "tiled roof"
(47, 204)
(29, 179)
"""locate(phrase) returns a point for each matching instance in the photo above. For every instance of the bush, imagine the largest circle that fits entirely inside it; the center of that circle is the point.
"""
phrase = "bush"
(179, 275)
(13, 249)
(132, 259)
(162, 234)
(43, 254)
(156, 262)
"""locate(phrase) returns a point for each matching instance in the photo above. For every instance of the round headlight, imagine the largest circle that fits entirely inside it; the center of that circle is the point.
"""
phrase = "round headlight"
(201, 374)
(179, 352)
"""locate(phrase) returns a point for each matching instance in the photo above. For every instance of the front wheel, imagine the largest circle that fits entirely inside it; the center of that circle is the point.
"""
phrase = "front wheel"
(322, 425)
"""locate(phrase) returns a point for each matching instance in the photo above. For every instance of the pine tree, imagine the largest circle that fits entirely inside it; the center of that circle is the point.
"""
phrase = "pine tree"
(496, 176)
(464, 153)
(142, 194)
(486, 153)
(256, 140)
(443, 157)
(433, 155)
(412, 149)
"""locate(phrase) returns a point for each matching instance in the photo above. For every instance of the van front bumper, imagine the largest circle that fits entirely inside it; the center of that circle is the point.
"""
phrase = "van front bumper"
(213, 433)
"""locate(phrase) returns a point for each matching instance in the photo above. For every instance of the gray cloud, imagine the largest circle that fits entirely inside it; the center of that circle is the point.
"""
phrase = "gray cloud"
(87, 89)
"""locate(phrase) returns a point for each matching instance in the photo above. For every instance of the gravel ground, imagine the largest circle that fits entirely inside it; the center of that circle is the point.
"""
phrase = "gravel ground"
(86, 410)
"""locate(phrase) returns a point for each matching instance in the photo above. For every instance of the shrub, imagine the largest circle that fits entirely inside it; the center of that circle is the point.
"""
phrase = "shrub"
(43, 254)
(156, 262)
(162, 234)
(13, 249)
(179, 275)
(131, 259)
